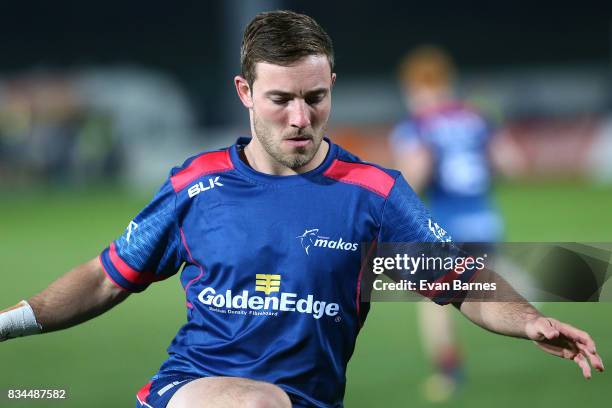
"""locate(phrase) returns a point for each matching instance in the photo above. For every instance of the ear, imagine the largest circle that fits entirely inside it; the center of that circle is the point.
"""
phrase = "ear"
(244, 91)
(333, 79)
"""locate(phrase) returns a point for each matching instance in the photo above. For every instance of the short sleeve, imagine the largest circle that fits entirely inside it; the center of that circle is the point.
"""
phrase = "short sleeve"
(406, 219)
(408, 228)
(149, 248)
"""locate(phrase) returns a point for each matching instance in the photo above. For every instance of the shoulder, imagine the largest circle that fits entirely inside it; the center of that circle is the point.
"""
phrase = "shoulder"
(348, 168)
(460, 109)
(202, 164)
(451, 108)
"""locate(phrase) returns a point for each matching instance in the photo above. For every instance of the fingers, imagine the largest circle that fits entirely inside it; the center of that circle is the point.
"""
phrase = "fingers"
(594, 358)
(579, 353)
(584, 343)
(566, 341)
(577, 335)
(583, 364)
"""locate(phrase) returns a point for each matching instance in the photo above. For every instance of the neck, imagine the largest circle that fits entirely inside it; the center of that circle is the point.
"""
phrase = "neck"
(258, 158)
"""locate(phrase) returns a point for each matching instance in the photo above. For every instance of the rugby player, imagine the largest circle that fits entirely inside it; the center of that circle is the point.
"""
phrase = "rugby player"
(269, 231)
(446, 151)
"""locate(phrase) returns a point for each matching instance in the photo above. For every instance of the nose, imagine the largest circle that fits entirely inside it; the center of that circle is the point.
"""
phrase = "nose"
(299, 116)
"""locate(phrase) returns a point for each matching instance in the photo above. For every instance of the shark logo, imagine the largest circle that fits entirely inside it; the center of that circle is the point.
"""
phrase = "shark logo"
(309, 238)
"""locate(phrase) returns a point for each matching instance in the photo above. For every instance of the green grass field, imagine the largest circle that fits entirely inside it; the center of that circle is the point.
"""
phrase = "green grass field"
(102, 363)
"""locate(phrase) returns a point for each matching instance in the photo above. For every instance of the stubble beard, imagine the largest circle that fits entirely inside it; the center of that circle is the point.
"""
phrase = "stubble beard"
(300, 156)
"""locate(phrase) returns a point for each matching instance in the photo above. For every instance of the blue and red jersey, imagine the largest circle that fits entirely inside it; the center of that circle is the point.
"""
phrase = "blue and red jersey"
(458, 139)
(272, 264)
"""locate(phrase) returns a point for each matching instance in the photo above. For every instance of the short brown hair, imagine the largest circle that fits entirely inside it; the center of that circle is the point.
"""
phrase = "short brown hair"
(282, 37)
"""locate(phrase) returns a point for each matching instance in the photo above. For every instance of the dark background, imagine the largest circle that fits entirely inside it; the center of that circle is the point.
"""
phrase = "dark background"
(196, 42)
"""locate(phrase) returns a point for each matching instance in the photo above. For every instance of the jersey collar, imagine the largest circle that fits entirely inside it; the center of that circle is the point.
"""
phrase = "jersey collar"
(263, 178)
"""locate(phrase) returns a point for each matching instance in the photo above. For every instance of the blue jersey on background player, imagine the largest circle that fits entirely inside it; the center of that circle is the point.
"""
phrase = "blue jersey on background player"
(444, 148)
(457, 139)
(273, 271)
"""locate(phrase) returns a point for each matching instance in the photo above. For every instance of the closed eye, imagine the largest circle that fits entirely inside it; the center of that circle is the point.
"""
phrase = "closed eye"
(314, 100)
(315, 97)
(280, 101)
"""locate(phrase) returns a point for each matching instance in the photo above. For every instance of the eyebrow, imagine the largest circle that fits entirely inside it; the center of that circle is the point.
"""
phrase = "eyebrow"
(277, 92)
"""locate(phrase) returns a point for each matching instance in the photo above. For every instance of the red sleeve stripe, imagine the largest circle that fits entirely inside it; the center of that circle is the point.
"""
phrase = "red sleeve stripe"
(108, 275)
(208, 163)
(128, 273)
(143, 393)
(363, 175)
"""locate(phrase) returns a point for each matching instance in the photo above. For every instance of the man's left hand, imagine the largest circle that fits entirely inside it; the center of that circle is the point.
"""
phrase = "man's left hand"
(565, 341)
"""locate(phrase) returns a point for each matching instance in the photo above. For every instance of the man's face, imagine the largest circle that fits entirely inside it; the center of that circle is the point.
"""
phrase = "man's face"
(290, 108)
(422, 97)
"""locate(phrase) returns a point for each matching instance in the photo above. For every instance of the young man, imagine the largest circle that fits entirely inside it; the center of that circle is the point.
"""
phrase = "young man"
(270, 232)
(444, 149)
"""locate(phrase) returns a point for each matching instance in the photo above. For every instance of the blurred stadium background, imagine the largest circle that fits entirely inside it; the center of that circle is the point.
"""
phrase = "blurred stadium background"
(98, 100)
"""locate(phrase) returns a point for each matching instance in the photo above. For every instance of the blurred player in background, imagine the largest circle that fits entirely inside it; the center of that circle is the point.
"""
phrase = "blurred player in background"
(446, 151)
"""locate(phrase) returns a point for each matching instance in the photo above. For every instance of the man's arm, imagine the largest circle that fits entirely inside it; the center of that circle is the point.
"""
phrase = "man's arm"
(416, 166)
(506, 155)
(79, 295)
(518, 318)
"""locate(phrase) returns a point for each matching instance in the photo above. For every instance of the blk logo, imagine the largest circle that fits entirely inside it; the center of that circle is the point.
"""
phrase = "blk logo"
(200, 187)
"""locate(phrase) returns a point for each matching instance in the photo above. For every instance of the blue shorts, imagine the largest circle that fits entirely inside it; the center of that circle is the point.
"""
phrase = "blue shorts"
(157, 393)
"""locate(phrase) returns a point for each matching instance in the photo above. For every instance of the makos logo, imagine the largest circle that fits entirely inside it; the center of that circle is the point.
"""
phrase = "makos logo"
(246, 303)
(311, 238)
